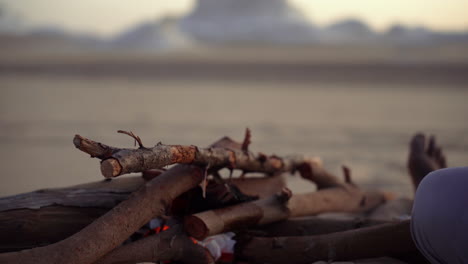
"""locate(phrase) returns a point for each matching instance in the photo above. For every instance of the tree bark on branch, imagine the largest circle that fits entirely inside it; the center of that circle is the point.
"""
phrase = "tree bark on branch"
(113, 228)
(118, 161)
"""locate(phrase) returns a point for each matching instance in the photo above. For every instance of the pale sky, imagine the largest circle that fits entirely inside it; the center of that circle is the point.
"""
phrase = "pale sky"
(107, 17)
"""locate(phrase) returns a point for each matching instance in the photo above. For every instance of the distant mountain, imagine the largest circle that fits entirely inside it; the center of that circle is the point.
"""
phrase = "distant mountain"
(349, 31)
(269, 22)
(153, 35)
(400, 34)
(247, 21)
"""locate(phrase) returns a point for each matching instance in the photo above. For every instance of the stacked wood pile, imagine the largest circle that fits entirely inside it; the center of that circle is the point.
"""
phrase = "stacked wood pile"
(102, 222)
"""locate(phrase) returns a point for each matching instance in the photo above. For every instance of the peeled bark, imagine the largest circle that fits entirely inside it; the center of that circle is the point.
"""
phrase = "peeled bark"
(382, 240)
(117, 161)
(113, 228)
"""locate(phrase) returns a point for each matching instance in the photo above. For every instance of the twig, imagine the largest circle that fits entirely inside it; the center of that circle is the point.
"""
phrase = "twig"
(117, 161)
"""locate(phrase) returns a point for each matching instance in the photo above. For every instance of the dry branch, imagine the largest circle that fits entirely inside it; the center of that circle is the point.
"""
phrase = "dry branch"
(110, 230)
(170, 245)
(383, 240)
(239, 216)
(118, 161)
(333, 196)
(262, 186)
(264, 211)
(311, 226)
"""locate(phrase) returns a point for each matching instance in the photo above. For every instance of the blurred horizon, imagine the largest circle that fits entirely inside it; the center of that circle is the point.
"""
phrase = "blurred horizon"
(109, 18)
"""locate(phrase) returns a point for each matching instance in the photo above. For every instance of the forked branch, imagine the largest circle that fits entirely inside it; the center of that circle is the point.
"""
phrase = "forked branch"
(118, 161)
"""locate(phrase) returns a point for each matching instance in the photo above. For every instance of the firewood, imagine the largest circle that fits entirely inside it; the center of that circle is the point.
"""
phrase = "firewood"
(239, 216)
(246, 215)
(310, 226)
(333, 195)
(118, 161)
(170, 245)
(392, 239)
(113, 228)
(47, 216)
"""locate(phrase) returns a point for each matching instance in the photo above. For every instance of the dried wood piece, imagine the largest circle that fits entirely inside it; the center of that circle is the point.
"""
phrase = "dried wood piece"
(382, 240)
(116, 161)
(110, 230)
(333, 196)
(239, 216)
(262, 187)
(245, 215)
(26, 228)
(102, 194)
(310, 226)
(170, 245)
(347, 198)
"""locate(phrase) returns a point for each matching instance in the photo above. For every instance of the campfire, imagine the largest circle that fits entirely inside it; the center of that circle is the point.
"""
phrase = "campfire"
(181, 209)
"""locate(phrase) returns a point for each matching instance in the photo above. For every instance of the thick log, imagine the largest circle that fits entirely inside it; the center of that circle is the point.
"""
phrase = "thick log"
(311, 226)
(113, 228)
(170, 245)
(101, 194)
(28, 228)
(118, 161)
(382, 240)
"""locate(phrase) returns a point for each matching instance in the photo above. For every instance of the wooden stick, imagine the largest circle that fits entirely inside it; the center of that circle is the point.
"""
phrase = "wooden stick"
(311, 226)
(333, 196)
(382, 240)
(110, 230)
(245, 215)
(339, 199)
(239, 216)
(117, 161)
(170, 245)
(262, 187)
